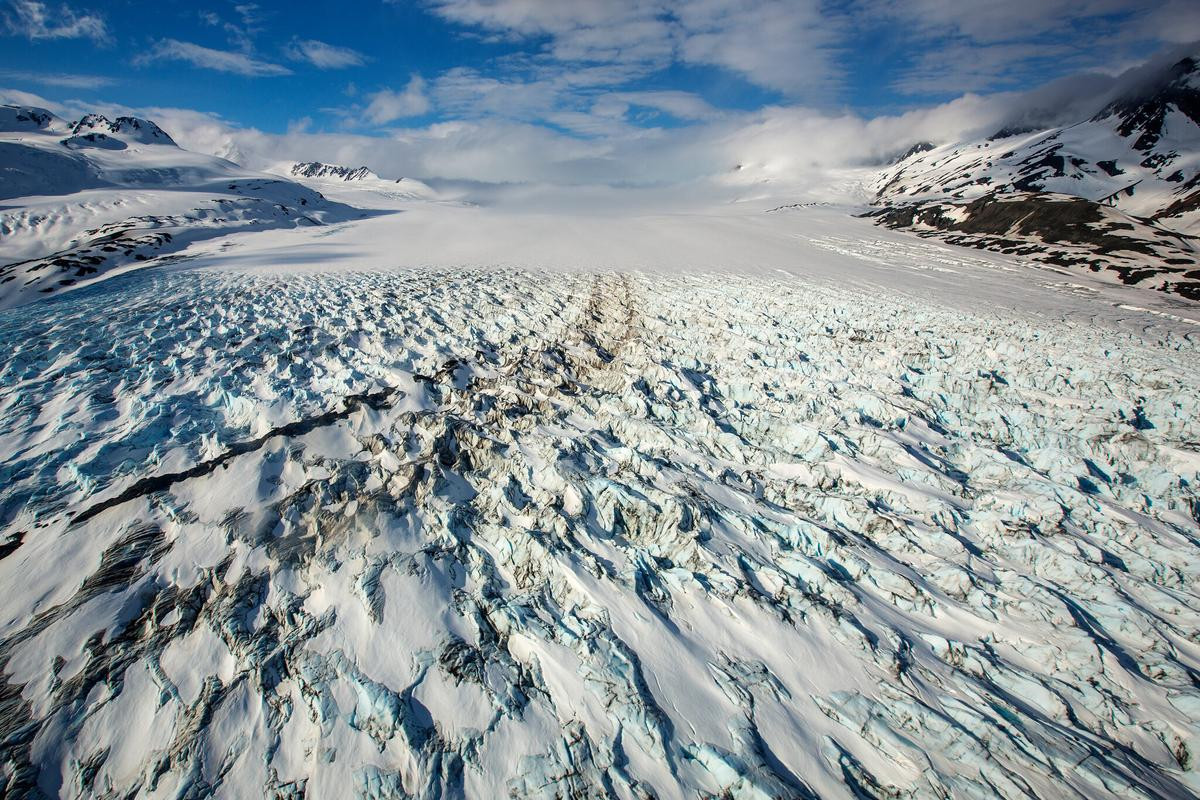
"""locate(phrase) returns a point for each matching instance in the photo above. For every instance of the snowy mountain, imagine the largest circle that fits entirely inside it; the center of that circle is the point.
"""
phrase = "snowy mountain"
(126, 129)
(315, 169)
(1139, 154)
(96, 196)
(358, 184)
(1135, 165)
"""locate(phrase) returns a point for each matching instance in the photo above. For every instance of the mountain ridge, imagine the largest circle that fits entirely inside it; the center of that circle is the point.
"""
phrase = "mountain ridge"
(319, 169)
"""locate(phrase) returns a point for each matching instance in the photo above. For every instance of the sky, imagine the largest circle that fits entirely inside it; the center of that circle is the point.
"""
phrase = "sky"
(583, 91)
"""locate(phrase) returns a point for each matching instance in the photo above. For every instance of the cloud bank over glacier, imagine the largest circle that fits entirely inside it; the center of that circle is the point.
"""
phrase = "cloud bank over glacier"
(800, 147)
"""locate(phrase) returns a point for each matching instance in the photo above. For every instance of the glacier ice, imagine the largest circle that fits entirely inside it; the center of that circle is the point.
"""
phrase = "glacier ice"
(478, 533)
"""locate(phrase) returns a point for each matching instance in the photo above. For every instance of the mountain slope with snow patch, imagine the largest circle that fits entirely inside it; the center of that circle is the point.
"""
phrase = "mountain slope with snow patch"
(1135, 166)
(81, 201)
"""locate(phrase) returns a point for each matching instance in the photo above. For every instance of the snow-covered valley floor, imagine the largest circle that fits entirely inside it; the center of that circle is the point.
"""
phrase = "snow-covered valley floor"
(449, 532)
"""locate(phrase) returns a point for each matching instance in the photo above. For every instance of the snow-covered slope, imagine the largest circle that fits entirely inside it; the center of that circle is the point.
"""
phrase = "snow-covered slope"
(1136, 164)
(1139, 154)
(81, 200)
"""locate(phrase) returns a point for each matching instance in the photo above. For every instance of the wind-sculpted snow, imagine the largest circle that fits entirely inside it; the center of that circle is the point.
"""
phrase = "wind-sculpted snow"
(489, 533)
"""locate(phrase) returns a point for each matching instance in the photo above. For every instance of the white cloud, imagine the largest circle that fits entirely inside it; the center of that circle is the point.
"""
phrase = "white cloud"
(64, 79)
(578, 100)
(797, 150)
(683, 105)
(208, 58)
(322, 55)
(464, 92)
(986, 21)
(804, 48)
(786, 45)
(18, 97)
(979, 45)
(782, 151)
(1175, 21)
(793, 151)
(580, 30)
(387, 105)
(243, 30)
(963, 66)
(249, 12)
(780, 44)
(35, 20)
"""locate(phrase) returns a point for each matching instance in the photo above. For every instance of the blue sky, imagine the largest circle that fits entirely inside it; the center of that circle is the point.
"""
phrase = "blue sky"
(602, 93)
(581, 67)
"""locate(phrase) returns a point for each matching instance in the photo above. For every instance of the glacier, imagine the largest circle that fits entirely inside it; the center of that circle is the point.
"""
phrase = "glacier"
(515, 531)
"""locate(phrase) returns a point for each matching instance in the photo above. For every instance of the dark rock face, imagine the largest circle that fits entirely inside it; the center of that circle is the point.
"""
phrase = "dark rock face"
(135, 129)
(1061, 230)
(1009, 131)
(315, 169)
(919, 147)
(1144, 114)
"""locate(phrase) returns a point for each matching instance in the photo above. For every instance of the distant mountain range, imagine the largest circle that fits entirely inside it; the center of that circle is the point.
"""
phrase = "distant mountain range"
(1118, 192)
(337, 178)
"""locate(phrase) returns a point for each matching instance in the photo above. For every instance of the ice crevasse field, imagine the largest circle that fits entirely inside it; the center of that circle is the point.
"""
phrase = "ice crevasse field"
(875, 518)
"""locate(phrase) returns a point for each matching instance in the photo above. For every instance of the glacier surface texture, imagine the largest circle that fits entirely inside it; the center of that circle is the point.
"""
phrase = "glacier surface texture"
(501, 533)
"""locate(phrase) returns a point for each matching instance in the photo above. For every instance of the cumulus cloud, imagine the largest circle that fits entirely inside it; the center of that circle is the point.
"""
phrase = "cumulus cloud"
(793, 150)
(35, 20)
(985, 21)
(19, 97)
(322, 55)
(209, 58)
(387, 105)
(781, 151)
(465, 92)
(579, 100)
(682, 105)
(1175, 21)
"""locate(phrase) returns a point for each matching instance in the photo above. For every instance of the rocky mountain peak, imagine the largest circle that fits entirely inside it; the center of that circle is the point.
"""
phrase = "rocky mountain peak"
(130, 129)
(317, 169)
(1143, 109)
(919, 147)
